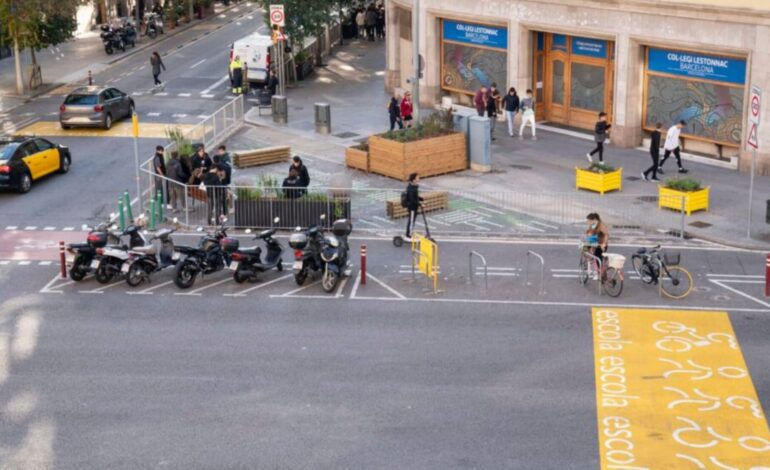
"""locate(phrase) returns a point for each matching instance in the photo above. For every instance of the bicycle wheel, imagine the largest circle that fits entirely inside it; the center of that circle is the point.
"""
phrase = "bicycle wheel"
(644, 269)
(676, 282)
(612, 282)
(583, 275)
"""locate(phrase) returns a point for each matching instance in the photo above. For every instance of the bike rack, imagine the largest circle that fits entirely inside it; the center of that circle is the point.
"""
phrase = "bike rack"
(470, 267)
(542, 270)
(599, 263)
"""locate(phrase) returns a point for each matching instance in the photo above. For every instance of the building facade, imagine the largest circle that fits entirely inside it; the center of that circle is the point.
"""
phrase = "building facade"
(641, 61)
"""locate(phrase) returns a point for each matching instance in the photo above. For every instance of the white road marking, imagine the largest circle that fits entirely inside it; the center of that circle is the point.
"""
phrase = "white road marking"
(543, 224)
(162, 93)
(148, 291)
(24, 263)
(5, 262)
(200, 289)
(385, 286)
(752, 276)
(292, 292)
(206, 95)
(11, 227)
(44, 263)
(179, 115)
(183, 95)
(736, 291)
(30, 227)
(355, 285)
(202, 116)
(100, 290)
(68, 229)
(49, 228)
(137, 93)
(216, 84)
(341, 288)
(197, 63)
(265, 284)
(153, 114)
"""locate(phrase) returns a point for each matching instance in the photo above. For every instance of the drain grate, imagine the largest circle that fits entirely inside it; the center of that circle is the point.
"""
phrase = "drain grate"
(699, 224)
(520, 167)
(346, 135)
(648, 198)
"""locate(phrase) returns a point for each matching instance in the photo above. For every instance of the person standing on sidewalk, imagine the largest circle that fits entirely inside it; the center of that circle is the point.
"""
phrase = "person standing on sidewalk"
(381, 21)
(302, 173)
(491, 107)
(511, 107)
(371, 22)
(394, 110)
(360, 23)
(600, 135)
(159, 166)
(527, 107)
(672, 145)
(178, 177)
(494, 92)
(224, 157)
(480, 100)
(236, 72)
(654, 154)
(157, 64)
(406, 109)
(412, 202)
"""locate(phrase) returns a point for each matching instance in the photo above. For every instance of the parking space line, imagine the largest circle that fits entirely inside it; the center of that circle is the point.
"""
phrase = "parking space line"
(736, 291)
(265, 284)
(148, 291)
(200, 289)
(100, 290)
(750, 276)
(197, 63)
(386, 287)
(292, 292)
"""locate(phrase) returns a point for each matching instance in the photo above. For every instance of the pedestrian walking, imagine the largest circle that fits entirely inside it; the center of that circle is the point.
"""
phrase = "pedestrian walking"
(480, 100)
(407, 109)
(600, 135)
(412, 202)
(654, 154)
(491, 108)
(224, 157)
(236, 75)
(527, 107)
(176, 185)
(201, 159)
(394, 111)
(672, 145)
(304, 176)
(494, 92)
(371, 22)
(361, 23)
(159, 166)
(292, 185)
(156, 63)
(381, 22)
(511, 107)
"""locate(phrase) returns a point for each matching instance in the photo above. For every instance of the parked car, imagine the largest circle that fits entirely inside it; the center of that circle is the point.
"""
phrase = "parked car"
(27, 159)
(94, 106)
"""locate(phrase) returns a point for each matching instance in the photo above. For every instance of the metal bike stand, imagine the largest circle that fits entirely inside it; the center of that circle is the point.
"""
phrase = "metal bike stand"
(542, 270)
(599, 263)
(470, 267)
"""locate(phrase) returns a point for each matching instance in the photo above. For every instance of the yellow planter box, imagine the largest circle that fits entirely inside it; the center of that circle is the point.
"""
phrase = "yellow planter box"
(599, 182)
(693, 200)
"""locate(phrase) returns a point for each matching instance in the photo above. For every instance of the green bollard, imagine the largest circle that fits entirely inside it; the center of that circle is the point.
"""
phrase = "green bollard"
(127, 205)
(152, 214)
(122, 215)
(159, 206)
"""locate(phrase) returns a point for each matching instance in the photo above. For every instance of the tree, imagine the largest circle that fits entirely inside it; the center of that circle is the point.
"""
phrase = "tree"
(304, 18)
(36, 24)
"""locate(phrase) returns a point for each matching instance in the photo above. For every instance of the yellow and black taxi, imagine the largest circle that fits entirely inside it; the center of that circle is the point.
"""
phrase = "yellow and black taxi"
(27, 159)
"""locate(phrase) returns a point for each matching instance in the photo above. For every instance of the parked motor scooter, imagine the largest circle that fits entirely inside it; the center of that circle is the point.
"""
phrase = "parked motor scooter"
(112, 257)
(247, 263)
(111, 39)
(86, 259)
(153, 25)
(156, 256)
(307, 251)
(208, 257)
(128, 34)
(334, 255)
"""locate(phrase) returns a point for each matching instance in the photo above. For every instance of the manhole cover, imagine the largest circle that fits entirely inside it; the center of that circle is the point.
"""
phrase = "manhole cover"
(721, 298)
(521, 167)
(648, 198)
(632, 178)
(699, 224)
(346, 135)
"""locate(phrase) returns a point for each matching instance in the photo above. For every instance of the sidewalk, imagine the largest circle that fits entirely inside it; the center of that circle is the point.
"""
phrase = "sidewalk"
(353, 83)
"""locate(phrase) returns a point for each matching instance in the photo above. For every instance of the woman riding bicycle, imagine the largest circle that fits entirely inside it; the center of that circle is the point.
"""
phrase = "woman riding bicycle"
(597, 235)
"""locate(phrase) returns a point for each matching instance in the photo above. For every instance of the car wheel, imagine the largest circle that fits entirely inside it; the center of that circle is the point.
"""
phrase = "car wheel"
(64, 166)
(25, 183)
(131, 109)
(64, 126)
(108, 121)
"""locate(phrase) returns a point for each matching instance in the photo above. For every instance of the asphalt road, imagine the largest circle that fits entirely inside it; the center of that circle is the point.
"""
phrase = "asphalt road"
(195, 86)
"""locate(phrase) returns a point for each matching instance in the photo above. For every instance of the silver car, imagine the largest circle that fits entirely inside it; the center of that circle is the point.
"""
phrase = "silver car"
(93, 106)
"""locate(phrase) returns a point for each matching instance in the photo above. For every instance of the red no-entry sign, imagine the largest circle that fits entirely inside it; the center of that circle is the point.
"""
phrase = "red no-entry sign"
(752, 136)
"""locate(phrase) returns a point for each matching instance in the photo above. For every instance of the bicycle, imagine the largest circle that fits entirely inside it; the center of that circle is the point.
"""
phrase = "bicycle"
(663, 269)
(609, 269)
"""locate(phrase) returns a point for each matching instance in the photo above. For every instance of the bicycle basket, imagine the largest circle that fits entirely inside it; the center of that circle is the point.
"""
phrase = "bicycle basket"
(671, 259)
(615, 260)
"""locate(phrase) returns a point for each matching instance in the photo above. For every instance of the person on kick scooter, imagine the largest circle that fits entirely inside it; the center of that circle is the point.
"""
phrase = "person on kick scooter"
(412, 202)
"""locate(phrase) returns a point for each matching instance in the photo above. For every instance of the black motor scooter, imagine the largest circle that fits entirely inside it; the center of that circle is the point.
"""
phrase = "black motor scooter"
(128, 34)
(307, 252)
(334, 255)
(208, 257)
(86, 259)
(247, 263)
(112, 39)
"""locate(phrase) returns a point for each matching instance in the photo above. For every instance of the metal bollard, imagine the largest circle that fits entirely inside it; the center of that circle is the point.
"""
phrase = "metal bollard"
(90, 79)
(62, 261)
(767, 276)
(363, 265)
(127, 205)
(280, 109)
(159, 206)
(152, 214)
(323, 118)
(121, 214)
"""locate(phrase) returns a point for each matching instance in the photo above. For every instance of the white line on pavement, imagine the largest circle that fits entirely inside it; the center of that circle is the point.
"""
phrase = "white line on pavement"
(44, 263)
(11, 227)
(5, 262)
(341, 288)
(183, 95)
(49, 228)
(30, 227)
(179, 115)
(386, 287)
(202, 116)
(197, 63)
(292, 292)
(751, 276)
(100, 290)
(153, 114)
(206, 95)
(68, 229)
(216, 84)
(736, 291)
(200, 289)
(148, 291)
(162, 93)
(243, 292)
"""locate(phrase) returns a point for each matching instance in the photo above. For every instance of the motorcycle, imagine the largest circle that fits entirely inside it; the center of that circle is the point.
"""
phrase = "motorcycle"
(111, 39)
(112, 257)
(247, 263)
(334, 255)
(86, 259)
(128, 34)
(145, 260)
(307, 252)
(153, 25)
(208, 257)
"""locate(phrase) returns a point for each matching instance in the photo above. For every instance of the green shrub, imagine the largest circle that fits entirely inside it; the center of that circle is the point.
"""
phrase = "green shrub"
(683, 184)
(437, 124)
(600, 168)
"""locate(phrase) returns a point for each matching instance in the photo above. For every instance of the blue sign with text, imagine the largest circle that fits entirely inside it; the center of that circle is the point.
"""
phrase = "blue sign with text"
(694, 65)
(480, 35)
(589, 47)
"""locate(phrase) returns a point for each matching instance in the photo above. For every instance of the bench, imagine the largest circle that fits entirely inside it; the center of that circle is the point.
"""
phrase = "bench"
(432, 201)
(263, 156)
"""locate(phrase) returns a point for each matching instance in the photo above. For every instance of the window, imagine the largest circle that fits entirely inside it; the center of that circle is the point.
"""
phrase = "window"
(557, 81)
(466, 68)
(587, 87)
(43, 144)
(27, 149)
(82, 100)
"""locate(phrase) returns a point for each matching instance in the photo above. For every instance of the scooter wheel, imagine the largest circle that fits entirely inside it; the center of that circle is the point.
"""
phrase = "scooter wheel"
(398, 241)
(77, 273)
(239, 277)
(300, 277)
(103, 273)
(135, 275)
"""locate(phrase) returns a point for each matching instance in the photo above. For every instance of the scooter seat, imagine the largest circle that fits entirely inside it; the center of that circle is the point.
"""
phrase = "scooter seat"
(266, 233)
(148, 250)
(252, 251)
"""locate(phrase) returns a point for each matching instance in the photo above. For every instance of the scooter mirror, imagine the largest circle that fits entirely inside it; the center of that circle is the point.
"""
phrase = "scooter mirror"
(323, 216)
(298, 229)
(248, 230)
(276, 220)
(84, 227)
(199, 229)
(175, 220)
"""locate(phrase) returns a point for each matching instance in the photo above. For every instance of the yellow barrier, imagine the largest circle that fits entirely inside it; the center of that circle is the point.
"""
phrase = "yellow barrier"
(425, 258)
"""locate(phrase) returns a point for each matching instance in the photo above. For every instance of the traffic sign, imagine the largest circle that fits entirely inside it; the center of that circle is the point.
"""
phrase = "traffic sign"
(277, 17)
(755, 107)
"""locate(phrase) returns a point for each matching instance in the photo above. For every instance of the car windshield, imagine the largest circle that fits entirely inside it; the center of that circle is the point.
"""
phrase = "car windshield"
(81, 99)
(7, 149)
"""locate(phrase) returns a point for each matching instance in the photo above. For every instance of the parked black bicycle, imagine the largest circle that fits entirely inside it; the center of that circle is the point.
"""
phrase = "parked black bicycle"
(656, 267)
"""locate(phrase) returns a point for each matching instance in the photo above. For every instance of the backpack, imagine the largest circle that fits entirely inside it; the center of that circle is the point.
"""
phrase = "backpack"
(403, 199)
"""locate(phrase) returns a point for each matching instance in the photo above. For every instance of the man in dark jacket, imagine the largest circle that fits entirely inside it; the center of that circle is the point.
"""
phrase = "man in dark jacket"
(214, 194)
(371, 22)
(412, 202)
(201, 159)
(159, 166)
(394, 111)
(491, 107)
(302, 173)
(654, 154)
(272, 82)
(600, 135)
(511, 106)
(292, 186)
(176, 187)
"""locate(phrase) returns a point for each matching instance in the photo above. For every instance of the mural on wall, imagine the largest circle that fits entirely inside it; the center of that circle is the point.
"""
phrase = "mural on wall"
(712, 111)
(467, 68)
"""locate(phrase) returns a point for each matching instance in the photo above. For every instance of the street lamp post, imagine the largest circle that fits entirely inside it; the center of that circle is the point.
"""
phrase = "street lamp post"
(416, 60)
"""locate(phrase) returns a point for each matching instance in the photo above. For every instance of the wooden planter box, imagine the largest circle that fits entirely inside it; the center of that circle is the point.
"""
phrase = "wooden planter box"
(427, 157)
(260, 213)
(357, 158)
(599, 182)
(432, 201)
(693, 200)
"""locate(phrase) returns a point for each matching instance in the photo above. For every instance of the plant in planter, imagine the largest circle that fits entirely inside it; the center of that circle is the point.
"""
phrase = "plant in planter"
(599, 177)
(683, 194)
(181, 143)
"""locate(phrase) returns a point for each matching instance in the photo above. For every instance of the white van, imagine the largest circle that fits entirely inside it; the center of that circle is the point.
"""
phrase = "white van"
(255, 51)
